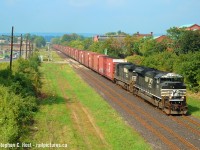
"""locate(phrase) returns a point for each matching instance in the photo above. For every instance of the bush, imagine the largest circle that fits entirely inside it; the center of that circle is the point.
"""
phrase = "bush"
(15, 113)
(188, 66)
(17, 98)
(161, 61)
(135, 59)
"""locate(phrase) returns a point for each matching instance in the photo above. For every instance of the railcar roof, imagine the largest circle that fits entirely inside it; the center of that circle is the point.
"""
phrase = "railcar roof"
(143, 70)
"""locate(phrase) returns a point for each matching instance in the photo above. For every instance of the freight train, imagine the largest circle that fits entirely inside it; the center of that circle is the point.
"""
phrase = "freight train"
(163, 89)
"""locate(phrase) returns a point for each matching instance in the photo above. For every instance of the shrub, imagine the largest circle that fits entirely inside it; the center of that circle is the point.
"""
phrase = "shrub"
(17, 98)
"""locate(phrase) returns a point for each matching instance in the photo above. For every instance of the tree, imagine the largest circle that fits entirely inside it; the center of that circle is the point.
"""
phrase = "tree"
(70, 37)
(55, 40)
(190, 41)
(87, 42)
(39, 41)
(135, 59)
(148, 46)
(97, 47)
(76, 44)
(188, 66)
(131, 45)
(184, 41)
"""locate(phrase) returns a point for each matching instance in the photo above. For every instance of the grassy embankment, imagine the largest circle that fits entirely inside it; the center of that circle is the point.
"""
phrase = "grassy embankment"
(71, 112)
(193, 101)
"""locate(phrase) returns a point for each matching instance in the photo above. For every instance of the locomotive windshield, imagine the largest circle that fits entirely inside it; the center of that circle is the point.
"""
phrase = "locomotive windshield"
(172, 79)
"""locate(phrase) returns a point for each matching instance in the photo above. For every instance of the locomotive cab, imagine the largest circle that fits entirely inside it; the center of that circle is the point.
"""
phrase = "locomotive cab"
(173, 93)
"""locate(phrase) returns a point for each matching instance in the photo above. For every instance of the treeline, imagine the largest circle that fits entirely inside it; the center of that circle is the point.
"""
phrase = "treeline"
(18, 91)
(39, 41)
(178, 51)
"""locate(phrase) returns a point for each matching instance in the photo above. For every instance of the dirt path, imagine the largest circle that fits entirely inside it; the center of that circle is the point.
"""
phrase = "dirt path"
(89, 135)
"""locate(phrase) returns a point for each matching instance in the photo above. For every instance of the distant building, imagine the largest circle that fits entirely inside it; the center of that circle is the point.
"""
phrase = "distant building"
(98, 38)
(161, 38)
(192, 27)
(3, 41)
(143, 35)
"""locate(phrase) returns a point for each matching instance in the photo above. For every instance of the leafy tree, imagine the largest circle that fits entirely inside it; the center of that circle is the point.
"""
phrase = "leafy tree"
(76, 44)
(188, 66)
(190, 41)
(87, 42)
(131, 45)
(184, 41)
(97, 47)
(110, 33)
(39, 41)
(70, 37)
(55, 41)
(135, 59)
(161, 61)
(113, 46)
(116, 33)
(149, 46)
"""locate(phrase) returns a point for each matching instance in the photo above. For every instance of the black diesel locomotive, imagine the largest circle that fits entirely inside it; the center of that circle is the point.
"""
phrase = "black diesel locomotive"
(164, 90)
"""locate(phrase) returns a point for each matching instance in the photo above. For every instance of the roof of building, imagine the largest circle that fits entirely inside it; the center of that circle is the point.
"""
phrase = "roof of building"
(187, 25)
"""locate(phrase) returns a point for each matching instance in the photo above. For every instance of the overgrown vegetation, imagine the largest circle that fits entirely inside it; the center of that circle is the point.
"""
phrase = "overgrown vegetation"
(18, 90)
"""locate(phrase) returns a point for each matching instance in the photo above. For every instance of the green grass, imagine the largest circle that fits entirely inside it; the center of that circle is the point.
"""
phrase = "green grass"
(117, 133)
(53, 121)
(193, 106)
(45, 55)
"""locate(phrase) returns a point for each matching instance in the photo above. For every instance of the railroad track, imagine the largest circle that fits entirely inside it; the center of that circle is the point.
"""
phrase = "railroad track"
(170, 138)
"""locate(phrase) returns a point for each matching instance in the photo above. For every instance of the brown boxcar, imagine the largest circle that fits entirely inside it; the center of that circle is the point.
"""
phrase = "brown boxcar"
(67, 50)
(91, 60)
(72, 50)
(81, 56)
(96, 62)
(76, 54)
(86, 58)
(102, 64)
(107, 66)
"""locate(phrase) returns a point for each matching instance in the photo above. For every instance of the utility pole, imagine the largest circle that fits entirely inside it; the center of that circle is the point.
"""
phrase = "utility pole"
(29, 48)
(26, 45)
(11, 49)
(32, 48)
(20, 49)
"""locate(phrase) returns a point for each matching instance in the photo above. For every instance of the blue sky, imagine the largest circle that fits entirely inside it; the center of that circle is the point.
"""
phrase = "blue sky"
(97, 16)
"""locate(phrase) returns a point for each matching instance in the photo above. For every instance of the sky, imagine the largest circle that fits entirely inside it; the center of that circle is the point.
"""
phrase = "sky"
(96, 16)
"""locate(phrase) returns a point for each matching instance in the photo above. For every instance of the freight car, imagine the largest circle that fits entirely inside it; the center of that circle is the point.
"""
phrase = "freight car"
(164, 90)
